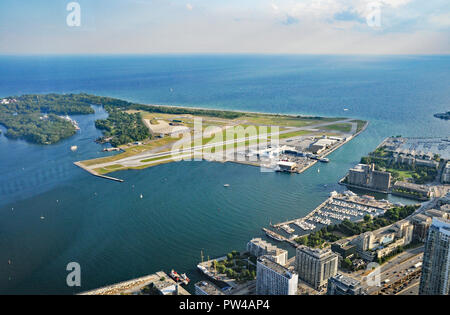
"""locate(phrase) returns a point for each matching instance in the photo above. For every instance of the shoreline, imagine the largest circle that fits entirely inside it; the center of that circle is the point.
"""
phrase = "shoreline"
(94, 173)
(246, 112)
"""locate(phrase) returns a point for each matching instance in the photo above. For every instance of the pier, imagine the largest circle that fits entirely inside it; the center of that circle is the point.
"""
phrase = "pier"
(280, 237)
(96, 174)
(309, 215)
(160, 280)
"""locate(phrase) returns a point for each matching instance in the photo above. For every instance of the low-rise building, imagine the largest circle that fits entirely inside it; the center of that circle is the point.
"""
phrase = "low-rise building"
(322, 144)
(371, 245)
(343, 285)
(207, 288)
(259, 247)
(344, 248)
(416, 191)
(435, 213)
(391, 247)
(285, 166)
(426, 163)
(316, 148)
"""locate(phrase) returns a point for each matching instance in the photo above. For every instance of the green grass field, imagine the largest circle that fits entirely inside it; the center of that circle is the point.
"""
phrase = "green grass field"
(345, 127)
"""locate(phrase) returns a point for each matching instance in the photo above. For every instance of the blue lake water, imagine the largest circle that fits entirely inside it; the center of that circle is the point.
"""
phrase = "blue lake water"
(113, 233)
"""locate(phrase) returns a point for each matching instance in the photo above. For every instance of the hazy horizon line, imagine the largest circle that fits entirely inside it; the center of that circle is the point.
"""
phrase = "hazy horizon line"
(216, 54)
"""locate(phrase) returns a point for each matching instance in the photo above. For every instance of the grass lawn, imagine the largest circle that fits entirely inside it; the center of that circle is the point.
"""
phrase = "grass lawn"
(108, 169)
(360, 125)
(402, 174)
(291, 121)
(343, 127)
(130, 151)
(294, 134)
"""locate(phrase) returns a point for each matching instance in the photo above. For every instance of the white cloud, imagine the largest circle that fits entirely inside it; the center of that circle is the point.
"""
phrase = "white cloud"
(396, 3)
(277, 26)
(440, 21)
(326, 9)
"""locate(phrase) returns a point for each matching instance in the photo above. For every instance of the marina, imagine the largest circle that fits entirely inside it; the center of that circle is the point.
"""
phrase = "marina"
(305, 226)
(337, 208)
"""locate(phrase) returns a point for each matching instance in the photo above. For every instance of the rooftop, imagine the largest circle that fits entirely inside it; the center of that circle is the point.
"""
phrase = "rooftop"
(422, 146)
(411, 185)
(347, 281)
(421, 218)
(209, 288)
(265, 261)
(316, 252)
(442, 224)
(267, 246)
(436, 213)
(288, 164)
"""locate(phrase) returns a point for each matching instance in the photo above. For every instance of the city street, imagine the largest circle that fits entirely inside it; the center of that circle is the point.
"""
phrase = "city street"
(397, 268)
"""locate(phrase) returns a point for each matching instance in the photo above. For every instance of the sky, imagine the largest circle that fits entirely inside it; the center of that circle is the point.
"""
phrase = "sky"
(226, 26)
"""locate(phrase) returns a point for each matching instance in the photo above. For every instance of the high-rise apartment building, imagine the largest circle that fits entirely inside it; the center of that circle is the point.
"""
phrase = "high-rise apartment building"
(435, 278)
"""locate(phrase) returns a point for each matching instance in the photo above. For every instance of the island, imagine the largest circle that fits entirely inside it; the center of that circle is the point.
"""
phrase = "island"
(44, 119)
(445, 116)
(286, 143)
(41, 119)
(149, 135)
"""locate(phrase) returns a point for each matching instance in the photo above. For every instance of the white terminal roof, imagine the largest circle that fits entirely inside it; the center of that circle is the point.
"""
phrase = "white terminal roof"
(325, 142)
